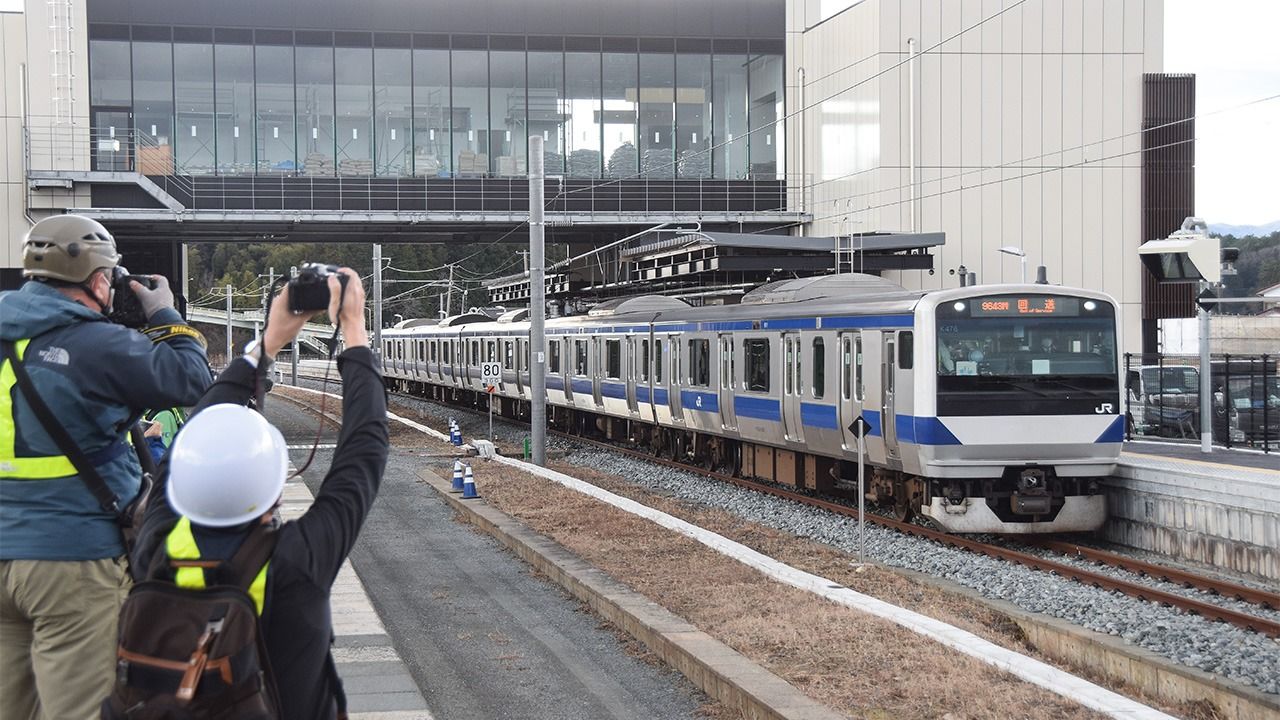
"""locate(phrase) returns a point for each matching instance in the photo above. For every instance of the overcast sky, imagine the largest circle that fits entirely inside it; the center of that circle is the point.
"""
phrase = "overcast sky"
(1232, 47)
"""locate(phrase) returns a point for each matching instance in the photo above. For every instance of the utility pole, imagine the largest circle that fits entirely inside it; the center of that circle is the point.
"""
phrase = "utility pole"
(537, 305)
(293, 351)
(1206, 380)
(377, 301)
(266, 298)
(228, 325)
(448, 303)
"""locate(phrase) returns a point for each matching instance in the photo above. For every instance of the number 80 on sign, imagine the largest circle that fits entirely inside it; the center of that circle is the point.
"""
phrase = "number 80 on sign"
(491, 372)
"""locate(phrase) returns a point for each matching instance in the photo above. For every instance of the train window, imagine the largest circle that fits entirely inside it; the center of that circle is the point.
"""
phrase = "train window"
(859, 388)
(509, 354)
(644, 360)
(525, 345)
(422, 349)
(905, 349)
(799, 372)
(755, 367)
(846, 368)
(790, 356)
(700, 363)
(657, 361)
(613, 359)
(819, 383)
(580, 359)
(726, 364)
(553, 352)
(475, 352)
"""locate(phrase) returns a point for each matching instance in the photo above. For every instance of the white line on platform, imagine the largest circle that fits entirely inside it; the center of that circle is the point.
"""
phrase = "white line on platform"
(1027, 668)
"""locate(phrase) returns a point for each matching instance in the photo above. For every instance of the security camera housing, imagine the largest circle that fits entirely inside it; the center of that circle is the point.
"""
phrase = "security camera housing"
(1187, 256)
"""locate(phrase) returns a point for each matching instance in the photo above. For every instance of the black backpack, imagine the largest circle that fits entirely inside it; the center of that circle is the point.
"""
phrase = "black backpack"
(195, 654)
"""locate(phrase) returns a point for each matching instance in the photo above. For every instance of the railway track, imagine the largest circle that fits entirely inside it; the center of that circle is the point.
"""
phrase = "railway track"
(1139, 590)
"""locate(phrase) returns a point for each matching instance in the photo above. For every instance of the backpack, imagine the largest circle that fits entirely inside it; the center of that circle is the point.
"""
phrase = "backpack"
(195, 654)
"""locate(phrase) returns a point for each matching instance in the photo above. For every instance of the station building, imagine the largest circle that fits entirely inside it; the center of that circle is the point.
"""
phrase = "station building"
(997, 124)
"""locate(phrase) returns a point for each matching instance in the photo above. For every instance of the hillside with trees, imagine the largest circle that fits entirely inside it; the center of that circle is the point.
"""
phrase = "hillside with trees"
(1257, 268)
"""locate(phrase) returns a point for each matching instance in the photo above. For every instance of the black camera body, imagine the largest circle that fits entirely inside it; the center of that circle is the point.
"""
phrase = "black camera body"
(309, 289)
(126, 308)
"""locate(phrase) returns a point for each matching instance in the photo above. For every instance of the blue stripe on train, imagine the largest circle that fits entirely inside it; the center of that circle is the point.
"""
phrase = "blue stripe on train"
(757, 408)
(701, 401)
(819, 416)
(1114, 432)
(613, 390)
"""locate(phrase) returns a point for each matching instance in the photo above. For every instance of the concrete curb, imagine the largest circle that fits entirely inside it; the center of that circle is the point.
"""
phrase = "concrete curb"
(715, 668)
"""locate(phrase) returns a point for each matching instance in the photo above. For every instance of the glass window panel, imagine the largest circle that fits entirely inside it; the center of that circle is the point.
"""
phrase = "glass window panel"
(729, 116)
(109, 73)
(314, 101)
(393, 116)
(619, 114)
(273, 65)
(508, 122)
(233, 103)
(657, 114)
(471, 111)
(193, 96)
(547, 107)
(819, 383)
(693, 115)
(354, 106)
(766, 107)
(153, 106)
(582, 113)
(431, 154)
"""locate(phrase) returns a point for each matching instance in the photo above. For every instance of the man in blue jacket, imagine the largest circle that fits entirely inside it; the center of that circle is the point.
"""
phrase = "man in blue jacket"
(62, 565)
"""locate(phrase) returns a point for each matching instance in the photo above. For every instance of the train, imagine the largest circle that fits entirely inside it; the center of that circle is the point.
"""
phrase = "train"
(987, 408)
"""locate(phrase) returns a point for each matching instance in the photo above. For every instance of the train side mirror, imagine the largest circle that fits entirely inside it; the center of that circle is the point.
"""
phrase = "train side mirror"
(1189, 255)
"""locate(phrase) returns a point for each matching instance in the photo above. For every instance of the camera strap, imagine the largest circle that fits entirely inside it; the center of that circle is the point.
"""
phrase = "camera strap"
(88, 474)
(160, 333)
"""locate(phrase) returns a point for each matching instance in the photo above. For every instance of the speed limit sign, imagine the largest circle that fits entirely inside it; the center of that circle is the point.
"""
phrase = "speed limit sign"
(491, 372)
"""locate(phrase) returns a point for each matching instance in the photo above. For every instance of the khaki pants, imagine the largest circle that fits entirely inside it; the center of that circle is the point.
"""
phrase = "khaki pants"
(58, 636)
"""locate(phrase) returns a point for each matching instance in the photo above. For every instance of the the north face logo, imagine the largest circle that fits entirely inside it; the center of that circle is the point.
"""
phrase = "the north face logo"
(55, 356)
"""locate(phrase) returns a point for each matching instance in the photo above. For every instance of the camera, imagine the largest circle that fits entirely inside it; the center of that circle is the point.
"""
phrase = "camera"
(309, 289)
(126, 308)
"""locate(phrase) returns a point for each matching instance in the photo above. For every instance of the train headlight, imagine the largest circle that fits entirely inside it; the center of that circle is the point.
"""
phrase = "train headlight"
(1090, 305)
(959, 307)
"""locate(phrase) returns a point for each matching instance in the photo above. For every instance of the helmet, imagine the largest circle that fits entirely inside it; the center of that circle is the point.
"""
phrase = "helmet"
(227, 466)
(68, 248)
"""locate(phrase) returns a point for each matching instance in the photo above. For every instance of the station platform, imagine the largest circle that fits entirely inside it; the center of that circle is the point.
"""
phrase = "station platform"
(1220, 509)
(434, 619)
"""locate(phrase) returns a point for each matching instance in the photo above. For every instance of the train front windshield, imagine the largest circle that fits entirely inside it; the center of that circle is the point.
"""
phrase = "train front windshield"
(1027, 355)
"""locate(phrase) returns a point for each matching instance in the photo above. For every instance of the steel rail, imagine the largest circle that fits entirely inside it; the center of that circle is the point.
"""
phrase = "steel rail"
(1083, 576)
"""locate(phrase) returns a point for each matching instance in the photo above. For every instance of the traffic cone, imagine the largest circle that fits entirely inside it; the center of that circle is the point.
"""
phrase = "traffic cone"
(455, 435)
(457, 476)
(469, 485)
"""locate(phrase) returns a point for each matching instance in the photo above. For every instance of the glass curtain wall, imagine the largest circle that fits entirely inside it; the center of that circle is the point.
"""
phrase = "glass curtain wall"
(353, 107)
(313, 100)
(273, 103)
(657, 108)
(233, 101)
(508, 108)
(194, 100)
(547, 100)
(153, 99)
(620, 100)
(470, 109)
(109, 73)
(432, 114)
(392, 104)
(729, 113)
(582, 107)
(693, 109)
(766, 107)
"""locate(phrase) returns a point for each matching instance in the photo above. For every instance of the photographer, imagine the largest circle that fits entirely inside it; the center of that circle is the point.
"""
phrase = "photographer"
(62, 565)
(218, 501)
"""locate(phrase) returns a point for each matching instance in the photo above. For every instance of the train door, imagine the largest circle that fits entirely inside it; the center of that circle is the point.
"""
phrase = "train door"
(888, 404)
(853, 390)
(674, 379)
(792, 387)
(728, 375)
(631, 372)
(597, 370)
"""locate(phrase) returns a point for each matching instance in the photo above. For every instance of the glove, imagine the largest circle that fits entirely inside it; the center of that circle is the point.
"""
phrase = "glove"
(153, 301)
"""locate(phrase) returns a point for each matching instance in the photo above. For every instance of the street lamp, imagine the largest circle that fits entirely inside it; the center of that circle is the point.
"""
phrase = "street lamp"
(1018, 253)
(399, 318)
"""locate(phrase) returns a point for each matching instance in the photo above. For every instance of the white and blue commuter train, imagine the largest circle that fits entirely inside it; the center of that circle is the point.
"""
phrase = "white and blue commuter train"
(990, 408)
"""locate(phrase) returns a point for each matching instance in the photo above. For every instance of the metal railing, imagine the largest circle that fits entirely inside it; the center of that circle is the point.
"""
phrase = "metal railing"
(53, 147)
(1162, 399)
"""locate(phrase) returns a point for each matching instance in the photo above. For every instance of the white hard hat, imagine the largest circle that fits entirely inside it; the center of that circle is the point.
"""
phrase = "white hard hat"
(227, 466)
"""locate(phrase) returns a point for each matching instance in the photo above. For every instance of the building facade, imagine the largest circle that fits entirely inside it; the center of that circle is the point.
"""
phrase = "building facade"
(1003, 124)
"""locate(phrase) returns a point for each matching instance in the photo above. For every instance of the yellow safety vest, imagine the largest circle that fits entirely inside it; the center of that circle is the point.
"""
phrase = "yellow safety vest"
(13, 467)
(181, 545)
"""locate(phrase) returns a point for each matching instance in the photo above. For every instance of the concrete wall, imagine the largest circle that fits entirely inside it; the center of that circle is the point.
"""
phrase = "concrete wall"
(1027, 133)
(13, 201)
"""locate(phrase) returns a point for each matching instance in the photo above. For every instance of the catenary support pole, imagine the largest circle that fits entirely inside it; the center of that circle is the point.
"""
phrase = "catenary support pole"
(448, 302)
(1206, 389)
(911, 120)
(862, 500)
(228, 362)
(537, 305)
(377, 301)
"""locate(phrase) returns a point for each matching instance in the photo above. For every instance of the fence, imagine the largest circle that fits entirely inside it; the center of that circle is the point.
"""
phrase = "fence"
(1163, 399)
